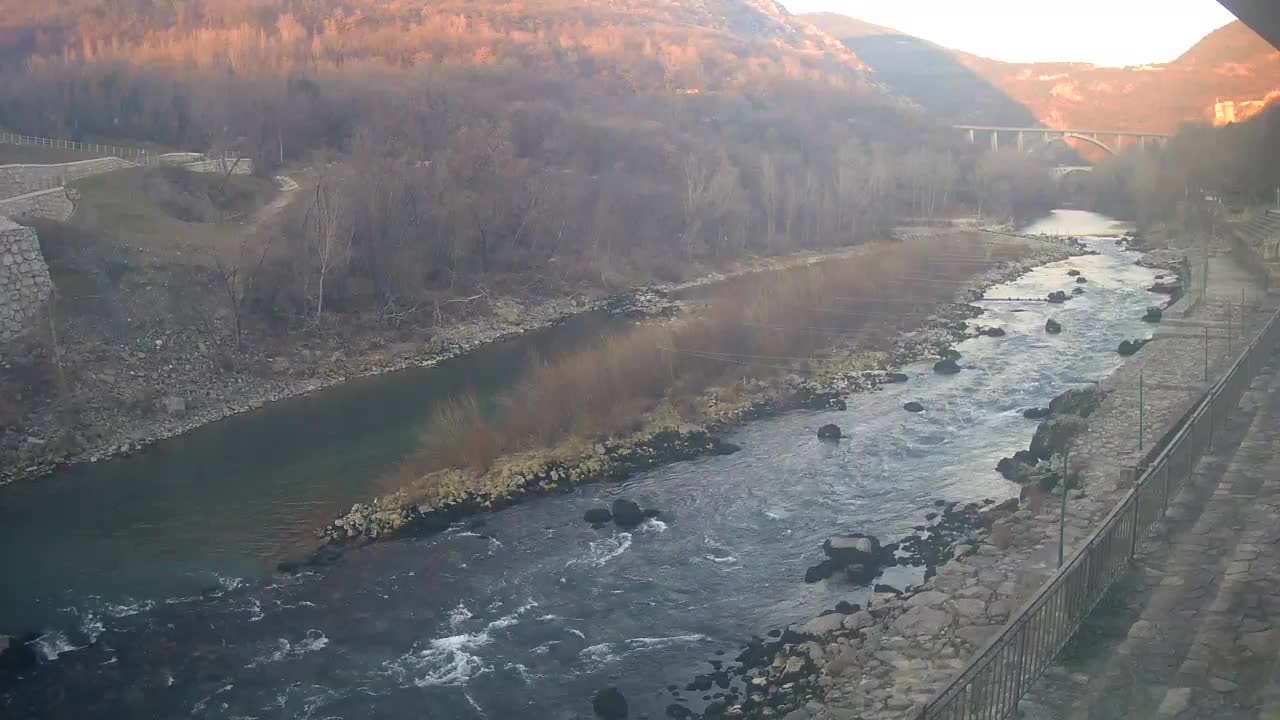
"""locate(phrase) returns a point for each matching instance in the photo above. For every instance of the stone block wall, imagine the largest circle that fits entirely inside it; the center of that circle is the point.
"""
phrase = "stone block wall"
(54, 204)
(22, 179)
(24, 279)
(242, 166)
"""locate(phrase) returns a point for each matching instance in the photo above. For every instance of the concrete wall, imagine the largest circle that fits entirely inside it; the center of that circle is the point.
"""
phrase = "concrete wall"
(240, 166)
(24, 279)
(22, 179)
(53, 204)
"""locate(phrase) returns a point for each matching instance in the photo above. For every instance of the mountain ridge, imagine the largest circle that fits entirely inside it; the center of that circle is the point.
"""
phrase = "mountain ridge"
(1229, 75)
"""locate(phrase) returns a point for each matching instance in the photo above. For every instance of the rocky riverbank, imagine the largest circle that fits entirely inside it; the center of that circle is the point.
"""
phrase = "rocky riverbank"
(886, 660)
(165, 382)
(431, 502)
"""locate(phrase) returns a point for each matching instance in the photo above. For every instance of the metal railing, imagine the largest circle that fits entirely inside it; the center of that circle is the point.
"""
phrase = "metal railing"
(138, 155)
(997, 677)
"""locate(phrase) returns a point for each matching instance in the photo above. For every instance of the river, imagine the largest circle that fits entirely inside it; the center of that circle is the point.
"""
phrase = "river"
(528, 610)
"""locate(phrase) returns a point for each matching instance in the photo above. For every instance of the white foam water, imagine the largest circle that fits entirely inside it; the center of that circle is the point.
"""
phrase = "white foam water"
(600, 552)
(459, 615)
(604, 653)
(52, 644)
(452, 660)
(313, 641)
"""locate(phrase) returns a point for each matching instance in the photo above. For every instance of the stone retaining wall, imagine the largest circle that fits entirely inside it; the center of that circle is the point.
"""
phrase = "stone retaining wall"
(22, 179)
(24, 278)
(237, 166)
(53, 204)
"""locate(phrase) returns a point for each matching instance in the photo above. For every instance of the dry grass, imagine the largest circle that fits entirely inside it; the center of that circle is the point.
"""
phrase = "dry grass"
(766, 325)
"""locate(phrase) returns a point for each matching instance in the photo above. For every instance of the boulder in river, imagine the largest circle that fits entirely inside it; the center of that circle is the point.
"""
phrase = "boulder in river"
(1130, 347)
(1053, 327)
(829, 432)
(1167, 287)
(1057, 297)
(946, 366)
(1077, 291)
(896, 378)
(1036, 413)
(913, 407)
(1082, 280)
(1076, 401)
(991, 331)
(626, 513)
(1073, 273)
(609, 704)
(1053, 437)
(597, 516)
(1154, 314)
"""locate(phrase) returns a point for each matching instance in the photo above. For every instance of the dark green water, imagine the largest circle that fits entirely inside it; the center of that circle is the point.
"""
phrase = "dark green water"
(232, 498)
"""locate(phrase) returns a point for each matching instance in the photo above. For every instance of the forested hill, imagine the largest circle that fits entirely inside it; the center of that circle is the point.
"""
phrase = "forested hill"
(1232, 64)
(630, 45)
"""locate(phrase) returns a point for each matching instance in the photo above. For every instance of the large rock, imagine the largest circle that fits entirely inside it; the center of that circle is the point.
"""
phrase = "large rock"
(922, 621)
(820, 626)
(609, 704)
(1053, 327)
(1081, 280)
(1073, 273)
(174, 405)
(1054, 436)
(1130, 347)
(1078, 401)
(1154, 314)
(597, 516)
(913, 407)
(991, 331)
(896, 378)
(627, 514)
(1036, 413)
(1057, 297)
(829, 432)
(946, 366)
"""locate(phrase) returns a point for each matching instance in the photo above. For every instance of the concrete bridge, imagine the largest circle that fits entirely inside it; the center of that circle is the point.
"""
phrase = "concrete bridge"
(1020, 136)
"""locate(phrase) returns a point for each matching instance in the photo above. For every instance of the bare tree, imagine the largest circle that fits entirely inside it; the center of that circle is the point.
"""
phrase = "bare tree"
(328, 235)
(236, 276)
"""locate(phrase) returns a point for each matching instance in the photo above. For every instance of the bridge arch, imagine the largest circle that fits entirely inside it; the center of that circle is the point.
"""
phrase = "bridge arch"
(1088, 139)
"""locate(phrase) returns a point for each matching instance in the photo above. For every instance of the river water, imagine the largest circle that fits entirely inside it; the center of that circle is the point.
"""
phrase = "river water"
(530, 610)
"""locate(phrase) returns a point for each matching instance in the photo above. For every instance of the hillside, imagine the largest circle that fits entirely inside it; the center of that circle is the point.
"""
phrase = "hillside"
(634, 45)
(1230, 75)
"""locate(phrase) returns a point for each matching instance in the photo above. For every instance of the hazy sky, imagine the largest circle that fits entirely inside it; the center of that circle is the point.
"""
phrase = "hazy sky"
(1104, 32)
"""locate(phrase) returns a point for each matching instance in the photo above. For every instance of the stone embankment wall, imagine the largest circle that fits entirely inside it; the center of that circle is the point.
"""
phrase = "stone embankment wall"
(237, 166)
(24, 278)
(52, 204)
(22, 179)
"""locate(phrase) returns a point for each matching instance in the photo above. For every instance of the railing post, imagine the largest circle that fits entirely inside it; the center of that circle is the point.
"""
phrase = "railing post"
(1137, 520)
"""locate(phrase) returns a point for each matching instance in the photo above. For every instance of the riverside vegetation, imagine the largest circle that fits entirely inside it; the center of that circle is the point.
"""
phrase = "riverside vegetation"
(486, 183)
(661, 391)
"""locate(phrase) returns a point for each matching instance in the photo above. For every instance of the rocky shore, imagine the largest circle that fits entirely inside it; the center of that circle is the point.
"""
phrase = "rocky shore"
(982, 562)
(443, 497)
(166, 382)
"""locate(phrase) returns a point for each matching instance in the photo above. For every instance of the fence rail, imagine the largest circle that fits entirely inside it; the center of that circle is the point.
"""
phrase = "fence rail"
(132, 154)
(138, 155)
(997, 677)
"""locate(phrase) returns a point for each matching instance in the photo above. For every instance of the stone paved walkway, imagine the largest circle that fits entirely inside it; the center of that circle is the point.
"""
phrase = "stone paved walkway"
(1192, 631)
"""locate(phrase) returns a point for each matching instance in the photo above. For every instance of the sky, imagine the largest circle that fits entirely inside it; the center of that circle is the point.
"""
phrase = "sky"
(1103, 32)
